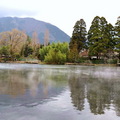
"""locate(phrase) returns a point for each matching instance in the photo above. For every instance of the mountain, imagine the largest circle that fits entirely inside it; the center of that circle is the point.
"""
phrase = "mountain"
(30, 25)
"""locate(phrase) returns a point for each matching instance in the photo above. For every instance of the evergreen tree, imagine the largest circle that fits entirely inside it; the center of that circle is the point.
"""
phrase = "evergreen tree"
(111, 42)
(100, 38)
(105, 37)
(27, 50)
(117, 36)
(94, 36)
(79, 35)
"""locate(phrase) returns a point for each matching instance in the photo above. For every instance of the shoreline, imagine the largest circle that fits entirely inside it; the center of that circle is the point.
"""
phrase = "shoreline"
(90, 64)
(39, 62)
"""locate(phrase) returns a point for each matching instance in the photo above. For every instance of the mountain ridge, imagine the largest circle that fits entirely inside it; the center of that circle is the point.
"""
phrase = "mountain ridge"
(30, 25)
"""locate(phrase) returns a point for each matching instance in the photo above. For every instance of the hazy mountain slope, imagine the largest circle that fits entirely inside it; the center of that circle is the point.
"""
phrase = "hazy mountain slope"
(29, 25)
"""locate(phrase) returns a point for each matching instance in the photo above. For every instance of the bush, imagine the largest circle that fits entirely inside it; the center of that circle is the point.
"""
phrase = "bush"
(98, 61)
(55, 57)
(55, 53)
(82, 60)
(112, 61)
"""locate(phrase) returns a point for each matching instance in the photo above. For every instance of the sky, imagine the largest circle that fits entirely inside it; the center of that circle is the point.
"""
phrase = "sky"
(62, 13)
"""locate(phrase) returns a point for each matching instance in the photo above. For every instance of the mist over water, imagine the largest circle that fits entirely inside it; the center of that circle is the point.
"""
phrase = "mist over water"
(55, 92)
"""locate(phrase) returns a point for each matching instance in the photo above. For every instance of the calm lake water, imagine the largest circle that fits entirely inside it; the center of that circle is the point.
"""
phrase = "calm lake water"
(50, 92)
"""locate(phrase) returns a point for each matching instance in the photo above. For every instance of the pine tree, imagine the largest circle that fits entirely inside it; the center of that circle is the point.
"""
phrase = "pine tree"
(100, 37)
(111, 42)
(94, 36)
(117, 36)
(79, 35)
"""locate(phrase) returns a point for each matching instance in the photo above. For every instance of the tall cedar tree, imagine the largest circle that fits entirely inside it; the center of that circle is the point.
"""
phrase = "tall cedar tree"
(117, 36)
(79, 36)
(100, 37)
(106, 38)
(111, 42)
(94, 35)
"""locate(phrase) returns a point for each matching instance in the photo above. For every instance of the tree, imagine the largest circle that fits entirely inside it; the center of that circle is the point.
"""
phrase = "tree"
(111, 42)
(35, 40)
(55, 56)
(73, 54)
(105, 37)
(79, 35)
(100, 37)
(27, 50)
(35, 44)
(46, 37)
(117, 36)
(56, 53)
(4, 52)
(15, 39)
(43, 52)
(94, 36)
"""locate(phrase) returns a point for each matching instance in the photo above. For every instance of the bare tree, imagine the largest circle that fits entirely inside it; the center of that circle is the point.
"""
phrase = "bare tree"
(46, 37)
(15, 39)
(35, 43)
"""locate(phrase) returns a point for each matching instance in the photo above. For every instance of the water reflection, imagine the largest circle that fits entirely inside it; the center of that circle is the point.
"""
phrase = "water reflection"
(101, 88)
(77, 92)
(24, 86)
(52, 92)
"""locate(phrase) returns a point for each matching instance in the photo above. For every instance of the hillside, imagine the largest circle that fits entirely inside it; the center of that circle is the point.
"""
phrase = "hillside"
(29, 25)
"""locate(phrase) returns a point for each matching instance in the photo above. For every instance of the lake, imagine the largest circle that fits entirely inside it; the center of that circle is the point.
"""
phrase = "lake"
(59, 92)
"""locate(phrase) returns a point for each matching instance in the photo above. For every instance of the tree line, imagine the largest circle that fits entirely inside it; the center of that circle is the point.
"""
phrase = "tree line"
(101, 42)
(16, 45)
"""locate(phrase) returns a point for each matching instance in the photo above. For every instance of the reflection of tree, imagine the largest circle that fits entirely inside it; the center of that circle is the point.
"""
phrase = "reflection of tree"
(77, 88)
(13, 83)
(116, 97)
(18, 82)
(101, 93)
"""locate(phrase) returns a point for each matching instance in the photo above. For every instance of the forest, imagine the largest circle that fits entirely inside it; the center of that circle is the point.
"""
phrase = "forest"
(100, 44)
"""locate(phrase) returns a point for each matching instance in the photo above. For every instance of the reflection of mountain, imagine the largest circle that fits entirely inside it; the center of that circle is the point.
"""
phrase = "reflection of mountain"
(28, 87)
(101, 92)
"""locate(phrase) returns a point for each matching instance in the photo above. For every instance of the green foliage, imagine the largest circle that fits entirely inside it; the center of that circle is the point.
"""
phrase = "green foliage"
(16, 56)
(56, 53)
(55, 56)
(4, 50)
(100, 37)
(73, 54)
(117, 36)
(28, 51)
(101, 41)
(82, 60)
(43, 52)
(98, 61)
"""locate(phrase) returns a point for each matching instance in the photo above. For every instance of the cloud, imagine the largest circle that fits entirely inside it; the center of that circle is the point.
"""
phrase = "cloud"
(5, 12)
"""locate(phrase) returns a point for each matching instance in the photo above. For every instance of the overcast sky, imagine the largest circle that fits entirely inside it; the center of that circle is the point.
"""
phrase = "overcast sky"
(62, 13)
